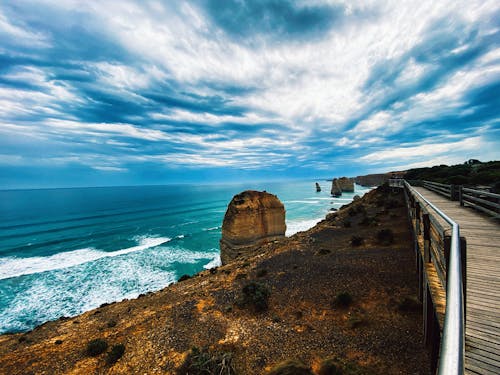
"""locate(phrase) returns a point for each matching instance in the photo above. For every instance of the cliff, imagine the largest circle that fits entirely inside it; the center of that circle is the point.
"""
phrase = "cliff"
(376, 179)
(342, 184)
(252, 219)
(337, 293)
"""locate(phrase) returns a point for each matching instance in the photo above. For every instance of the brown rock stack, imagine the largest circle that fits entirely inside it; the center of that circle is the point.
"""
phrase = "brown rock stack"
(336, 189)
(346, 184)
(252, 219)
(318, 188)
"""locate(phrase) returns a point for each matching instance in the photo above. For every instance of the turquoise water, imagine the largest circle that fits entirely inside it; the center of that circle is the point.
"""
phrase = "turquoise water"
(66, 251)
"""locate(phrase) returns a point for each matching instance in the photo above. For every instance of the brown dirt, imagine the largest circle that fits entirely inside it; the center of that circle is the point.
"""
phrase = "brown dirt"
(304, 274)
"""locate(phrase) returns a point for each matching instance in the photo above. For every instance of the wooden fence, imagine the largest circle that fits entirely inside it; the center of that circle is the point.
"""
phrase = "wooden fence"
(436, 250)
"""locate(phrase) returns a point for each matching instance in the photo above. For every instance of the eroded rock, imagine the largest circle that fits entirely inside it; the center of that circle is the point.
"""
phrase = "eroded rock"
(252, 219)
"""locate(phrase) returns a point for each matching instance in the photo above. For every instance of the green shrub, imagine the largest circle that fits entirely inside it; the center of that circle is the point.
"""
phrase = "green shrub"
(343, 299)
(261, 273)
(96, 347)
(385, 236)
(115, 354)
(357, 241)
(203, 362)
(330, 366)
(255, 295)
(290, 367)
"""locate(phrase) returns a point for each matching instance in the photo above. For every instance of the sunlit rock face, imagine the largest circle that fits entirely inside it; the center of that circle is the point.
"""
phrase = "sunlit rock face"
(252, 219)
(346, 184)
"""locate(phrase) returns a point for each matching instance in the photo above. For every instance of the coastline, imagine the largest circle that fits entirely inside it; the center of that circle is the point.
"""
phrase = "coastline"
(303, 272)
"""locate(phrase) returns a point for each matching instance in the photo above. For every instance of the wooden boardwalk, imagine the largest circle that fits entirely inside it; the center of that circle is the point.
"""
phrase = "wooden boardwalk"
(482, 330)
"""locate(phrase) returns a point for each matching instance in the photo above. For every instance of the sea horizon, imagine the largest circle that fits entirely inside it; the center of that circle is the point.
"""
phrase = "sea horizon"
(64, 251)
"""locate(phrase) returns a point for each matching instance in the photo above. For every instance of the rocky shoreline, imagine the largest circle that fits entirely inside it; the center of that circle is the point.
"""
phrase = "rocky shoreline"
(341, 294)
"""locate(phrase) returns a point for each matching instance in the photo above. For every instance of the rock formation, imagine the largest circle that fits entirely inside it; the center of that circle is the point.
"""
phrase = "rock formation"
(252, 219)
(318, 188)
(346, 184)
(336, 189)
(372, 179)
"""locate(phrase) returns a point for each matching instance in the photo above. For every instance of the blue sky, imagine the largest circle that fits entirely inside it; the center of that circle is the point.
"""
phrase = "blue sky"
(97, 93)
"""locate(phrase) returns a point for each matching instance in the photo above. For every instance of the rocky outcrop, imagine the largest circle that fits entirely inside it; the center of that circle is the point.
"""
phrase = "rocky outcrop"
(336, 189)
(252, 219)
(372, 179)
(346, 184)
(318, 188)
(342, 184)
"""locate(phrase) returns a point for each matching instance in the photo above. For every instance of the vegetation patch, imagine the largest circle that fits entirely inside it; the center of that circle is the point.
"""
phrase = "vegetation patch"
(256, 296)
(290, 367)
(262, 272)
(409, 304)
(335, 366)
(203, 362)
(115, 354)
(357, 241)
(385, 237)
(96, 347)
(343, 299)
(323, 251)
(355, 321)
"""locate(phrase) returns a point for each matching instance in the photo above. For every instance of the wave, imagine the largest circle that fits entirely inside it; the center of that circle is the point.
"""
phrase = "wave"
(303, 201)
(13, 266)
(215, 262)
(296, 226)
(212, 228)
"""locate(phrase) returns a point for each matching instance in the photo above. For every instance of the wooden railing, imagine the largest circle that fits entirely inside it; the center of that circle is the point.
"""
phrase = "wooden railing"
(449, 191)
(480, 200)
(440, 257)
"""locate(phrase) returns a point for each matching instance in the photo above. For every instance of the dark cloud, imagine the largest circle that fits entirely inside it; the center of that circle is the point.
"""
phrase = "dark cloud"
(274, 18)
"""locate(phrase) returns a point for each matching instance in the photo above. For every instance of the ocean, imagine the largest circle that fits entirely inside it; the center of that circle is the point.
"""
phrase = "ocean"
(67, 251)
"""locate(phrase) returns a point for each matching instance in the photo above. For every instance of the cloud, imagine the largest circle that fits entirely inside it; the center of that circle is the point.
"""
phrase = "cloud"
(276, 85)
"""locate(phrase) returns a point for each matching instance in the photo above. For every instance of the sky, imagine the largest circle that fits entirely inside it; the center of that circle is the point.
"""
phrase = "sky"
(102, 93)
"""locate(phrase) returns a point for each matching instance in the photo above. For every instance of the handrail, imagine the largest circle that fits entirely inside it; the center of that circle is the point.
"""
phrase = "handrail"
(452, 344)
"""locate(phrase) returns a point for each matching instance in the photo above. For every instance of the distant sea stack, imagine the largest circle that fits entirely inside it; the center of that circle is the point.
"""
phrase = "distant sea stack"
(343, 184)
(318, 188)
(252, 219)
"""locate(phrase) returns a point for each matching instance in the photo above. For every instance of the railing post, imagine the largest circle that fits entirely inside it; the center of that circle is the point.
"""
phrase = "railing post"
(427, 237)
(460, 195)
(463, 255)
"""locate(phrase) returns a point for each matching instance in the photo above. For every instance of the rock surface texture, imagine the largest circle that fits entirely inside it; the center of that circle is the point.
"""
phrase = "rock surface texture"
(336, 189)
(346, 184)
(252, 219)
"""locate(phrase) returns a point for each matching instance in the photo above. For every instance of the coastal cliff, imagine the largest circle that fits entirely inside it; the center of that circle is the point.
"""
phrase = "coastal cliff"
(342, 184)
(342, 294)
(252, 219)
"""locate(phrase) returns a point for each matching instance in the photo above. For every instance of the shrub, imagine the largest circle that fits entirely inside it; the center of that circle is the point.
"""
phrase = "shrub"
(115, 354)
(202, 362)
(261, 273)
(343, 299)
(96, 347)
(346, 223)
(409, 304)
(290, 367)
(330, 366)
(255, 295)
(357, 241)
(323, 251)
(111, 323)
(385, 236)
(184, 278)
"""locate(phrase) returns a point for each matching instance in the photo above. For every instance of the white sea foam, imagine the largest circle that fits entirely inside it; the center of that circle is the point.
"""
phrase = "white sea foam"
(303, 201)
(295, 226)
(216, 262)
(212, 228)
(13, 266)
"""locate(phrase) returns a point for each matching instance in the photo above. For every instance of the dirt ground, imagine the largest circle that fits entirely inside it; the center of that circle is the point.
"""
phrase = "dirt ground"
(345, 289)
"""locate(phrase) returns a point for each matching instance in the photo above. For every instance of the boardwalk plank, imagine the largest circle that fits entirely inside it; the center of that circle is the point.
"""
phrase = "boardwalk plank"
(482, 233)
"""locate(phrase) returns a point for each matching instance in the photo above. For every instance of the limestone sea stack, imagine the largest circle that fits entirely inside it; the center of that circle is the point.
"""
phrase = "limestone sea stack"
(346, 184)
(336, 189)
(318, 188)
(252, 219)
